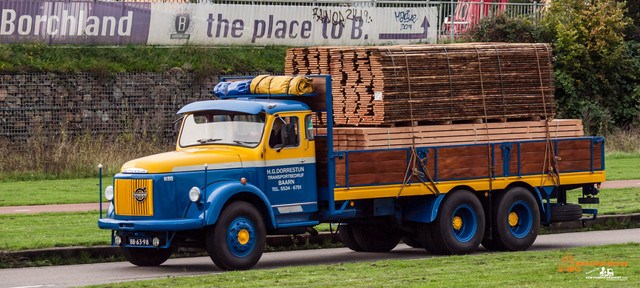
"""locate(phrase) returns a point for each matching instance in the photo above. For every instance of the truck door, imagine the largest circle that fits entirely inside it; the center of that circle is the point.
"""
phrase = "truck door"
(290, 168)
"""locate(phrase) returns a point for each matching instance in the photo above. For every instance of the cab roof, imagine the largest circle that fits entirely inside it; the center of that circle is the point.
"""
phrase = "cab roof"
(245, 105)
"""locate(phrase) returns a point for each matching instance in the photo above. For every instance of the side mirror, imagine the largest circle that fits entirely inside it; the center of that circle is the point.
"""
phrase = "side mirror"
(308, 124)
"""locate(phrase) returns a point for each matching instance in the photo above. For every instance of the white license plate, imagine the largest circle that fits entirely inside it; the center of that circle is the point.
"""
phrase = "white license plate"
(139, 241)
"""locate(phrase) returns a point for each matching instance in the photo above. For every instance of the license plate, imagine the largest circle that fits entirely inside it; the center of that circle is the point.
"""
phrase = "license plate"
(139, 241)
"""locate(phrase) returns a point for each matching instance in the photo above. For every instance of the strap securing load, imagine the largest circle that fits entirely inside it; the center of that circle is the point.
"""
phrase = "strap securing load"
(265, 84)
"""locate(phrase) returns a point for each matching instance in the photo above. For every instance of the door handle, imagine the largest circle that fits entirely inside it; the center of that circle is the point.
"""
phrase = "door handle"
(301, 160)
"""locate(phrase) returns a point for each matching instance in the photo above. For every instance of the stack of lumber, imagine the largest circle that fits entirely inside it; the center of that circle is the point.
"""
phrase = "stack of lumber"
(367, 138)
(383, 86)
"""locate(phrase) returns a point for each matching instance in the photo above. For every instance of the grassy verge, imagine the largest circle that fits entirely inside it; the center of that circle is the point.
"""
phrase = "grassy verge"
(31, 231)
(140, 58)
(516, 269)
(612, 201)
(51, 192)
(622, 166)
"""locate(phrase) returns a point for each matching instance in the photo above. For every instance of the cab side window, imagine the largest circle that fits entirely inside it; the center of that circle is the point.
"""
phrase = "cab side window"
(285, 132)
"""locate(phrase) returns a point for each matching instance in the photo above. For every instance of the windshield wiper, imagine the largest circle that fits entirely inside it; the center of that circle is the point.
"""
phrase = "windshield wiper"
(209, 140)
(245, 142)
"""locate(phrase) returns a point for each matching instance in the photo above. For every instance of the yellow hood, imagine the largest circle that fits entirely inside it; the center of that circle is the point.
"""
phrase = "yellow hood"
(192, 159)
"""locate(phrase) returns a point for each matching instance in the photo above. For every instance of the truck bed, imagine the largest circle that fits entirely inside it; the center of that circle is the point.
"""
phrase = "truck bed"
(363, 174)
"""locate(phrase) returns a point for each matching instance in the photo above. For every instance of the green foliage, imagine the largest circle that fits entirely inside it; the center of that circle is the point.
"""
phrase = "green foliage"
(597, 72)
(37, 57)
(503, 28)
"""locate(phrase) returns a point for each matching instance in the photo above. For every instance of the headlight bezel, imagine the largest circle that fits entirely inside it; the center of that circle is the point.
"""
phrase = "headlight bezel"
(195, 194)
(109, 193)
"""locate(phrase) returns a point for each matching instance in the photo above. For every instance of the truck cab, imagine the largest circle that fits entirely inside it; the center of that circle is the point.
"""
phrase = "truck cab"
(242, 168)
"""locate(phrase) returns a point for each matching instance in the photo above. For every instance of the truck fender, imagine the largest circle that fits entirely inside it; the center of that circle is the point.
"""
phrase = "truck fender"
(423, 209)
(218, 194)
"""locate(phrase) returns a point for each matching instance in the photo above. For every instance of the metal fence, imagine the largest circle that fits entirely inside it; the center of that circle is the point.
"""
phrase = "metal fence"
(48, 104)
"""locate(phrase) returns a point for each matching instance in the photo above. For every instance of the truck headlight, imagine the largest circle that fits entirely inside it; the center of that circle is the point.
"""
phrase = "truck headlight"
(108, 193)
(194, 194)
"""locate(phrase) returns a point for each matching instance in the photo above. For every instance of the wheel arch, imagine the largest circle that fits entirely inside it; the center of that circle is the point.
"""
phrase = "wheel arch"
(425, 209)
(223, 194)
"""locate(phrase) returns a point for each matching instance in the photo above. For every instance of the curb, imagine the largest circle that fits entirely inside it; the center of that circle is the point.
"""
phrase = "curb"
(277, 242)
(281, 242)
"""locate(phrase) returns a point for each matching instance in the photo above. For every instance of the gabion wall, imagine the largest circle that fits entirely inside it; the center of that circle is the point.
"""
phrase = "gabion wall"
(77, 104)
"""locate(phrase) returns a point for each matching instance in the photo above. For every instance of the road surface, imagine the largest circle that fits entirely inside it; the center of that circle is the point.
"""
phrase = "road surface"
(103, 273)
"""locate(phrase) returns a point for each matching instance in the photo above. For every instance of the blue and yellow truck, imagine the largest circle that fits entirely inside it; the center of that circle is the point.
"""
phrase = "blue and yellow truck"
(254, 165)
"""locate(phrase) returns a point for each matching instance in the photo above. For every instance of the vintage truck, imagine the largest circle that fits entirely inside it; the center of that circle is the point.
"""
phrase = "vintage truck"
(255, 165)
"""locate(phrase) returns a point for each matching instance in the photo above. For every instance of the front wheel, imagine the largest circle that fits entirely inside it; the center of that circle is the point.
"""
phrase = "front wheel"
(146, 256)
(237, 240)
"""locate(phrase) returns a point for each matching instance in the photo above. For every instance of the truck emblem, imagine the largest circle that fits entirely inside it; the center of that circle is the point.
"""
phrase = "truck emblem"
(140, 194)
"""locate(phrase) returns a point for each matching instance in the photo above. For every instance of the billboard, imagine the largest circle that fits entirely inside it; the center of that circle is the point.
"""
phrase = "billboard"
(121, 23)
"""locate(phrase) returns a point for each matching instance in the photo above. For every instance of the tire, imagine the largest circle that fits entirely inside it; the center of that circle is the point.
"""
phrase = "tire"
(412, 242)
(426, 235)
(237, 240)
(459, 227)
(516, 221)
(348, 239)
(146, 256)
(376, 237)
(566, 212)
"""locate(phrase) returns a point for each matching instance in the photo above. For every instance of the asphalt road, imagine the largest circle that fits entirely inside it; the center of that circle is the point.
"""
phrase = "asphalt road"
(103, 273)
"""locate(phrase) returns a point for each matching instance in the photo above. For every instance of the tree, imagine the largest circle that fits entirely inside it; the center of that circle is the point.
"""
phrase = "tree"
(596, 71)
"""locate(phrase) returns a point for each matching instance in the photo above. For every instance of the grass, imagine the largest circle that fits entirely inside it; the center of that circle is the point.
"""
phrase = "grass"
(517, 269)
(32, 231)
(201, 60)
(44, 192)
(622, 166)
(612, 201)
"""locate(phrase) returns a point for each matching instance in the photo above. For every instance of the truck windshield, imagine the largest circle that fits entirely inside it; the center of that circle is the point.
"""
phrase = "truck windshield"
(222, 128)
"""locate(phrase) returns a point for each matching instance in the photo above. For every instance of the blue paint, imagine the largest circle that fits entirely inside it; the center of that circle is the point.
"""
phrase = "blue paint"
(235, 233)
(423, 209)
(246, 105)
(525, 219)
(469, 223)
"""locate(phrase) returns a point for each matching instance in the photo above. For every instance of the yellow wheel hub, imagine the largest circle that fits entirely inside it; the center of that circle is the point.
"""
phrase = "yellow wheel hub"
(513, 219)
(457, 222)
(243, 236)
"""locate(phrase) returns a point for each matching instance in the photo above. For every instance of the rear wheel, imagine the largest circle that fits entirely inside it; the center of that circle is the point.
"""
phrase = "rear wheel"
(459, 227)
(381, 237)
(347, 237)
(412, 241)
(146, 256)
(516, 221)
(237, 240)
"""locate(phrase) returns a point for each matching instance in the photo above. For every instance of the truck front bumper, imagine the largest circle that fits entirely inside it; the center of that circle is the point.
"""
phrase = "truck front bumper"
(151, 225)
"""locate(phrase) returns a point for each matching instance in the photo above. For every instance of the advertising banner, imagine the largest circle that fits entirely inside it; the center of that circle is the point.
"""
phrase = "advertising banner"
(243, 24)
(121, 23)
(62, 22)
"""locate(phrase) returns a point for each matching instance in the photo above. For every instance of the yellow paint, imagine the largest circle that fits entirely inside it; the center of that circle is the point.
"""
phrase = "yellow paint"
(243, 236)
(222, 154)
(513, 219)
(305, 149)
(126, 204)
(457, 222)
(384, 191)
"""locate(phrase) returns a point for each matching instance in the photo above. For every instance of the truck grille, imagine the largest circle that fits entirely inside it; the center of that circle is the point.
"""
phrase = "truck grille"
(134, 197)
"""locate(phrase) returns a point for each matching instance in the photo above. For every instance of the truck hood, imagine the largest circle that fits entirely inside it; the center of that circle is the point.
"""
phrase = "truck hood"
(192, 159)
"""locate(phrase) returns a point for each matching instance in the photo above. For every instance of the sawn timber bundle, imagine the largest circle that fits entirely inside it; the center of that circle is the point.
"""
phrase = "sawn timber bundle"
(384, 86)
(367, 138)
